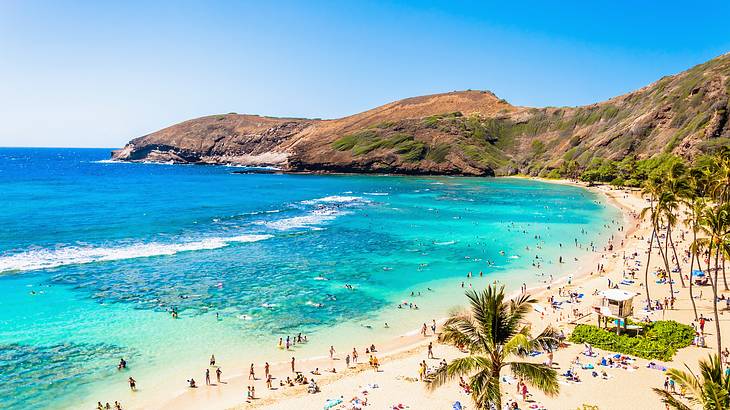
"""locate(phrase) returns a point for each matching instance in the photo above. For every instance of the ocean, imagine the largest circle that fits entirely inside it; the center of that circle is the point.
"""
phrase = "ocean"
(95, 254)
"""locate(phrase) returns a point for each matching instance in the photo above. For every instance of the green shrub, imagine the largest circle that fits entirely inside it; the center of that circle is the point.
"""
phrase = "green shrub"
(438, 153)
(618, 182)
(660, 340)
(553, 174)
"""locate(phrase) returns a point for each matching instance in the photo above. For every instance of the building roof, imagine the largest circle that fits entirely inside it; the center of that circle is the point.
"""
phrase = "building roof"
(618, 294)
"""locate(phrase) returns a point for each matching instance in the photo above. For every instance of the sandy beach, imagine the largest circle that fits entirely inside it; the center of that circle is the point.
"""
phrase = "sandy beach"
(396, 381)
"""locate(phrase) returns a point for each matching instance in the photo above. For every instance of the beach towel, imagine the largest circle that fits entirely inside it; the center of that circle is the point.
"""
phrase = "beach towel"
(331, 403)
(655, 366)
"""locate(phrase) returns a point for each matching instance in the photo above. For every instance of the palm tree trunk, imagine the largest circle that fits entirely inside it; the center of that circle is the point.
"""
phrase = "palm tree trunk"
(691, 269)
(496, 376)
(674, 250)
(724, 279)
(646, 272)
(714, 301)
(663, 254)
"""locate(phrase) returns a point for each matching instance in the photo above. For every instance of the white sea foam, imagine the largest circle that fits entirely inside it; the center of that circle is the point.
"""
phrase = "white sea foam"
(73, 255)
(327, 209)
(315, 217)
(376, 193)
(335, 199)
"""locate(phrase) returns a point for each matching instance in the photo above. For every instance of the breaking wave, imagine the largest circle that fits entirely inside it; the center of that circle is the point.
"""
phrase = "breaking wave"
(45, 258)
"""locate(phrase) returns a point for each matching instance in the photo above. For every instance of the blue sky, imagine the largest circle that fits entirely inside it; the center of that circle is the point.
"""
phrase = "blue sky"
(92, 74)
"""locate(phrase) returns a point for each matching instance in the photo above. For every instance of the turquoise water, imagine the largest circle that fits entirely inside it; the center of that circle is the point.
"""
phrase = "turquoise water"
(93, 255)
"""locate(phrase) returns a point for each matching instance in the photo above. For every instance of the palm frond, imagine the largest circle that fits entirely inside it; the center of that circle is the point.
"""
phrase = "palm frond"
(539, 375)
(670, 400)
(460, 367)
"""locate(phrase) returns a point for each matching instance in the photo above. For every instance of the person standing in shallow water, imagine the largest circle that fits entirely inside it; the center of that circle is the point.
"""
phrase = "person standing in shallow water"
(218, 372)
(132, 384)
(207, 377)
(212, 360)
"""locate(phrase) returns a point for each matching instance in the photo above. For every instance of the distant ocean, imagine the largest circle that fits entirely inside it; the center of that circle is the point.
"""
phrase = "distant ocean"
(94, 254)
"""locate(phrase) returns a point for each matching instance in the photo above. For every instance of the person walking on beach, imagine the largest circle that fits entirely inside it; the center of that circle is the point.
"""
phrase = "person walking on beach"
(347, 361)
(433, 326)
(132, 384)
(266, 370)
(430, 350)
(423, 330)
(268, 381)
(218, 372)
(251, 373)
(332, 352)
(292, 365)
(702, 324)
(207, 377)
(354, 355)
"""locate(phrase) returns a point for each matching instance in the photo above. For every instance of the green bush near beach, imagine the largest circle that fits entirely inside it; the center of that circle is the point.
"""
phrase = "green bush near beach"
(659, 340)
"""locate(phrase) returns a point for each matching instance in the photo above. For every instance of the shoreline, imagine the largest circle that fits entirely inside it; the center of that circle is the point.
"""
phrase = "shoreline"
(407, 345)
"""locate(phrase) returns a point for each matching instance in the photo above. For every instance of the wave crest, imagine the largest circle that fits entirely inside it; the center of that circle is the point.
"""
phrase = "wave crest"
(75, 255)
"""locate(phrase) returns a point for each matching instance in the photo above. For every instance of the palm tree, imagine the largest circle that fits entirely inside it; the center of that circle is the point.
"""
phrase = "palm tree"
(709, 391)
(678, 184)
(719, 166)
(715, 223)
(695, 204)
(652, 187)
(666, 211)
(494, 332)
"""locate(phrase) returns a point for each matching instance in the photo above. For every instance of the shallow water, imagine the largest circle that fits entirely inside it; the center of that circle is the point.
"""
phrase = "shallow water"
(93, 255)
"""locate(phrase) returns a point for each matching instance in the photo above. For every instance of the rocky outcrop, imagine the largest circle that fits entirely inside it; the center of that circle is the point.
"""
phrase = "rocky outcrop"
(462, 133)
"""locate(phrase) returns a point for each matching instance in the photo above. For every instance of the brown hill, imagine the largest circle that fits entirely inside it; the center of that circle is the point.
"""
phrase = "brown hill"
(467, 132)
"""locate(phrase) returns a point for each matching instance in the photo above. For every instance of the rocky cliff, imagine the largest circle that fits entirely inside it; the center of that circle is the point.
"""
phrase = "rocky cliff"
(463, 133)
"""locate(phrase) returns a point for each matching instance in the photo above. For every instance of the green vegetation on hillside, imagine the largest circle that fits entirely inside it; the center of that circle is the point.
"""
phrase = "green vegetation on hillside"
(629, 171)
(408, 148)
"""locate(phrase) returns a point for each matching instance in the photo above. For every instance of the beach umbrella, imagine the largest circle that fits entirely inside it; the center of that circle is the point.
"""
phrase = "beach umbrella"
(698, 273)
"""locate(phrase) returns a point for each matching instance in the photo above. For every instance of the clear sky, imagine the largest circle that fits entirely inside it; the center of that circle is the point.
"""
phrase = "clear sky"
(96, 74)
